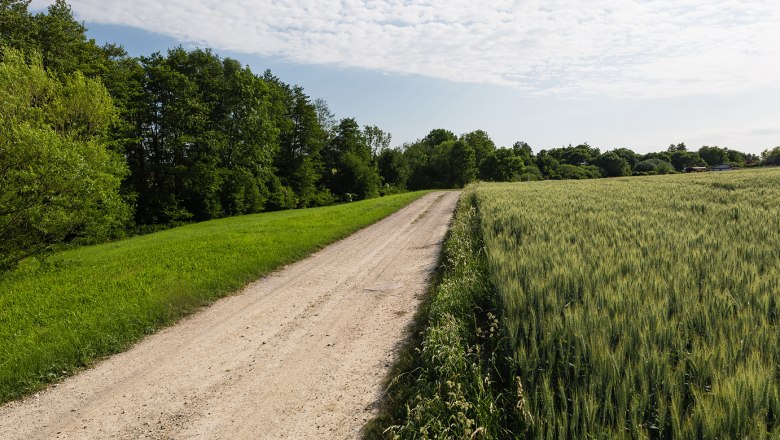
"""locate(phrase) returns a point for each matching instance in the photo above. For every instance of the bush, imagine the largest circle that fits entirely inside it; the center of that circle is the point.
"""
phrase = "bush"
(771, 157)
(654, 166)
(567, 171)
(59, 183)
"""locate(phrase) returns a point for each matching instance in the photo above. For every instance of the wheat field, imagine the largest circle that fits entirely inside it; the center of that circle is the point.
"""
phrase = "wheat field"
(643, 307)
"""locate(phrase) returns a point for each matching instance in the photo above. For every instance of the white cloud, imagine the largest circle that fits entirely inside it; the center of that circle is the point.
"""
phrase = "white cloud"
(629, 48)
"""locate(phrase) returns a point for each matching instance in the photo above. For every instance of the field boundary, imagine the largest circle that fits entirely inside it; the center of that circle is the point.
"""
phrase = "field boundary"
(454, 378)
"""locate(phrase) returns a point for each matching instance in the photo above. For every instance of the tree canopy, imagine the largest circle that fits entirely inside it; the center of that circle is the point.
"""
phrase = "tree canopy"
(58, 180)
(136, 143)
(771, 157)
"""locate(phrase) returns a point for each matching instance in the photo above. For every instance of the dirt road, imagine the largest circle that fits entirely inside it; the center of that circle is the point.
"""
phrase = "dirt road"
(300, 354)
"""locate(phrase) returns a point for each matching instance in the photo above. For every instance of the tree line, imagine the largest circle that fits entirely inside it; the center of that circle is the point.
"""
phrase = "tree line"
(96, 144)
(444, 160)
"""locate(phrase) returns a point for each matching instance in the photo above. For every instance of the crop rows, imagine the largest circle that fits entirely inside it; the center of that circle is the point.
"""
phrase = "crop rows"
(643, 307)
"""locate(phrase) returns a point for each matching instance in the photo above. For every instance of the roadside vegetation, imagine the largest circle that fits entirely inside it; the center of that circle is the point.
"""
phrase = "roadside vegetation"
(454, 379)
(632, 308)
(80, 305)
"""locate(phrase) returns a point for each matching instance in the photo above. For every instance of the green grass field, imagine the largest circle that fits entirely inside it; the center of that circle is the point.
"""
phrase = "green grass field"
(642, 307)
(83, 304)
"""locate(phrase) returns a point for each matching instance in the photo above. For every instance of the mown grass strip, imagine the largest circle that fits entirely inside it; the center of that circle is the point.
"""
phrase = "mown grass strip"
(454, 380)
(81, 305)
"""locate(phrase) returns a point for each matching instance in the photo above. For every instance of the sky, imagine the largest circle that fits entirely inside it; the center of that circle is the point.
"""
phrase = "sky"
(640, 74)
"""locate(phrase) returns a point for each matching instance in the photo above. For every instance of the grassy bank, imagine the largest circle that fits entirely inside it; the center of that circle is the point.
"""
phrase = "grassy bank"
(453, 380)
(83, 304)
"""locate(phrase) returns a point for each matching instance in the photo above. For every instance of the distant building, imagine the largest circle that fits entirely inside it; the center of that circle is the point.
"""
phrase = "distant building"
(695, 169)
(722, 167)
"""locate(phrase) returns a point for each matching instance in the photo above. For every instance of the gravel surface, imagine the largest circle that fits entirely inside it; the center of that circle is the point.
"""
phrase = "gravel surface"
(300, 354)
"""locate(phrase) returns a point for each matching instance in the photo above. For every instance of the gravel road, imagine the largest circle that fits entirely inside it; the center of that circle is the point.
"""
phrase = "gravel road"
(300, 354)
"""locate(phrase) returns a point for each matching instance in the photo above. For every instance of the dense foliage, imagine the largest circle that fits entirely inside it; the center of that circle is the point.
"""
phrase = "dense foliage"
(444, 160)
(643, 307)
(58, 181)
(204, 137)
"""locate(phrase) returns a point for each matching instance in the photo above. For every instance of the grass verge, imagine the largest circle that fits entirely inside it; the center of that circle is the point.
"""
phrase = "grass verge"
(453, 379)
(83, 304)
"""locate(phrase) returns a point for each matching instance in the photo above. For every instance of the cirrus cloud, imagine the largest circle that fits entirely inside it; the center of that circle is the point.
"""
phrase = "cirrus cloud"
(624, 48)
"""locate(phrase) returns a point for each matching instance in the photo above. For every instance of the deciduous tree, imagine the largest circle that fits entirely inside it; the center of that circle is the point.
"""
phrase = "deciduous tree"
(713, 155)
(613, 165)
(501, 165)
(393, 168)
(771, 157)
(58, 180)
(480, 142)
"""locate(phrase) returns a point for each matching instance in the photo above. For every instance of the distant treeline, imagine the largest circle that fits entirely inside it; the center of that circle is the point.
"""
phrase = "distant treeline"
(443, 160)
(96, 143)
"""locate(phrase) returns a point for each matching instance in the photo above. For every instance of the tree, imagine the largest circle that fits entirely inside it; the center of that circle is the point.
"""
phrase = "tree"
(451, 165)
(576, 157)
(653, 166)
(751, 159)
(501, 165)
(64, 45)
(480, 142)
(430, 160)
(170, 155)
(629, 155)
(418, 156)
(582, 154)
(771, 157)
(250, 139)
(393, 168)
(438, 136)
(523, 151)
(569, 171)
(713, 155)
(59, 39)
(299, 161)
(359, 176)
(325, 117)
(17, 27)
(439, 166)
(200, 137)
(682, 159)
(377, 140)
(58, 181)
(531, 173)
(613, 165)
(663, 156)
(353, 170)
(547, 165)
(737, 158)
